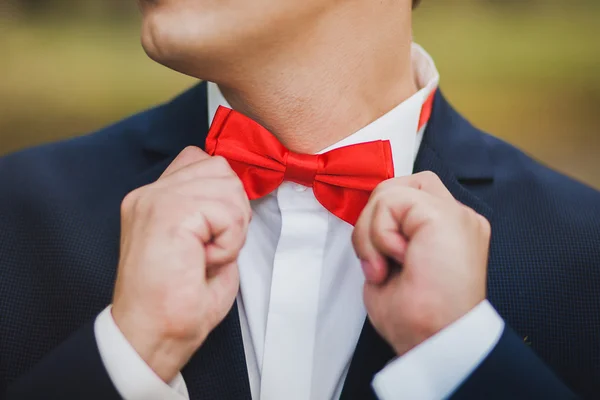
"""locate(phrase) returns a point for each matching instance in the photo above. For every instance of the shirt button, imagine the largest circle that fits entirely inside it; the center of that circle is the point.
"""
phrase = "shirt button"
(299, 188)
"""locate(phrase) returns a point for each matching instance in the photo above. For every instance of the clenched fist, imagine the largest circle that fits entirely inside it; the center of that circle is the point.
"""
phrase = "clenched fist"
(178, 276)
(424, 256)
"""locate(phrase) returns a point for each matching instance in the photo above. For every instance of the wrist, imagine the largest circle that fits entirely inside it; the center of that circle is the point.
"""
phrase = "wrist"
(166, 356)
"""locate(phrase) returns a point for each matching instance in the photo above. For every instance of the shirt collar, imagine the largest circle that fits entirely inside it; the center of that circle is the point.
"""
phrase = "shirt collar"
(399, 125)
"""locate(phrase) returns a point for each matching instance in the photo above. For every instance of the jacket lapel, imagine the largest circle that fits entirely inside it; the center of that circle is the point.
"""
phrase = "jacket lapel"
(451, 148)
(456, 152)
(218, 370)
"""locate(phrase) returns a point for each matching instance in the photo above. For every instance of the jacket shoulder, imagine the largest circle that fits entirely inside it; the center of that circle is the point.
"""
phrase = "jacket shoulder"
(100, 152)
(548, 207)
(111, 154)
(534, 183)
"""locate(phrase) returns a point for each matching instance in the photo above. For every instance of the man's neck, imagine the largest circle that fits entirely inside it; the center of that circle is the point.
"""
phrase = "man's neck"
(345, 74)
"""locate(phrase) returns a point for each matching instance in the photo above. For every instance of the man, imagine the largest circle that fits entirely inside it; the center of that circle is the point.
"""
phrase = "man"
(327, 239)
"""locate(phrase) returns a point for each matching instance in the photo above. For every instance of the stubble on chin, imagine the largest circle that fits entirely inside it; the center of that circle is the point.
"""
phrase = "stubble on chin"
(147, 4)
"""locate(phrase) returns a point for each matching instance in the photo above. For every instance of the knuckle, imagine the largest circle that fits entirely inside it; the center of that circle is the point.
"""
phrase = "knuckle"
(190, 154)
(379, 196)
(221, 164)
(477, 221)
(152, 203)
(238, 216)
(193, 153)
(237, 193)
(130, 201)
(466, 217)
(433, 217)
(387, 184)
(438, 214)
(189, 151)
(139, 201)
(236, 185)
(430, 177)
(384, 202)
(239, 213)
(484, 225)
(466, 212)
(381, 188)
(182, 226)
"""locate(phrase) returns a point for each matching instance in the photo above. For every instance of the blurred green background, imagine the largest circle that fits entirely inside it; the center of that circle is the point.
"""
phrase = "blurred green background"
(526, 70)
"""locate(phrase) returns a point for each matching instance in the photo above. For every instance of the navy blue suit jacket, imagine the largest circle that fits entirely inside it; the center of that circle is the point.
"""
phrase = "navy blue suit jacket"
(59, 245)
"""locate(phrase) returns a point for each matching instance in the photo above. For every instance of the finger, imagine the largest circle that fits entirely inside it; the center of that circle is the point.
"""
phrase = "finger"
(223, 286)
(412, 209)
(226, 189)
(373, 264)
(213, 167)
(228, 227)
(210, 220)
(189, 155)
(376, 270)
(225, 248)
(426, 181)
(386, 235)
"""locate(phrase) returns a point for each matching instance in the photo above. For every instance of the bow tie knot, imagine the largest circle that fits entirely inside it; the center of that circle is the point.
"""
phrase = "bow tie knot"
(301, 168)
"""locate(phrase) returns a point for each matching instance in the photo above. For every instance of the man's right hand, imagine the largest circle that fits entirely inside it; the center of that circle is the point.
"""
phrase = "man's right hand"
(178, 275)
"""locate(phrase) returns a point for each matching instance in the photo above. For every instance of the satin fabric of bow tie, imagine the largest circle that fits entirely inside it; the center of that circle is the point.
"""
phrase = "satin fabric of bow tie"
(342, 179)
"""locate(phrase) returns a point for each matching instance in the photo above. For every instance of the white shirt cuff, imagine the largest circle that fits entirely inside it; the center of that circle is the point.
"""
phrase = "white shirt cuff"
(437, 367)
(132, 377)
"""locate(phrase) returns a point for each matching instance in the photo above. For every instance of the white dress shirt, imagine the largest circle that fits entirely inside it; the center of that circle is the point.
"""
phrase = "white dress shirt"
(300, 301)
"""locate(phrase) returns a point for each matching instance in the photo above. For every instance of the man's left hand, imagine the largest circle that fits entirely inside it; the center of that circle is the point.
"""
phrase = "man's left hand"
(424, 256)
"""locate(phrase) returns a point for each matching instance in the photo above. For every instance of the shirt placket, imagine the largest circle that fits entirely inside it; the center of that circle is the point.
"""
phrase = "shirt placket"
(293, 304)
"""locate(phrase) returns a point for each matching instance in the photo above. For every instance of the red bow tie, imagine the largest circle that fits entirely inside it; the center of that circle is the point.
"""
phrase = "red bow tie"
(342, 179)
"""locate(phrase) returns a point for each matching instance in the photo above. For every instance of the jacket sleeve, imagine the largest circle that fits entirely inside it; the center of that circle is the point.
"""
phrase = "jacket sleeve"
(435, 368)
(512, 371)
(72, 371)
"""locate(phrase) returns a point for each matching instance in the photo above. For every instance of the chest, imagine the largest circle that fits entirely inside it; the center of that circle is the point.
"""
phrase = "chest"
(58, 273)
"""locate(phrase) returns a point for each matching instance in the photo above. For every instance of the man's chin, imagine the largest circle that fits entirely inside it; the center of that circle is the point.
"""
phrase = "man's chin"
(178, 55)
(147, 4)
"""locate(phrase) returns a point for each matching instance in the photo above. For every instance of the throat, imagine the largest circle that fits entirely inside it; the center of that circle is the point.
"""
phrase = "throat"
(342, 74)
(332, 89)
(310, 117)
